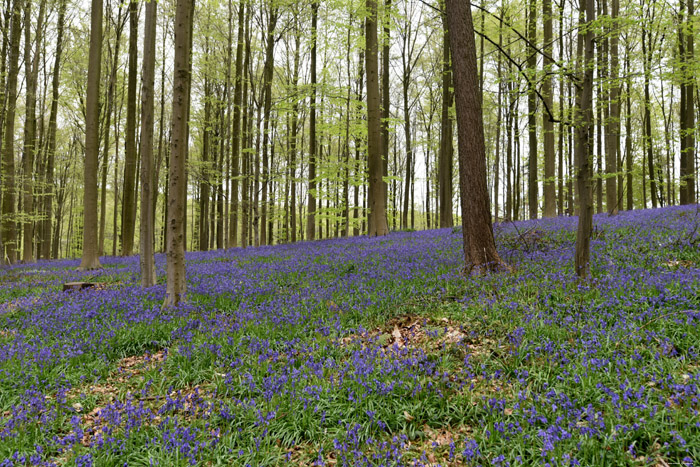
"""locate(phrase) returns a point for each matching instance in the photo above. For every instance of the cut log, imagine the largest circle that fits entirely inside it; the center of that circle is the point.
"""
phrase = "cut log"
(78, 285)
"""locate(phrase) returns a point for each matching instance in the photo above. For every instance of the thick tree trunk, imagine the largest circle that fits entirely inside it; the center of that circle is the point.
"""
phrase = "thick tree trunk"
(687, 109)
(175, 255)
(477, 232)
(584, 146)
(146, 227)
(9, 229)
(129, 204)
(90, 259)
(377, 205)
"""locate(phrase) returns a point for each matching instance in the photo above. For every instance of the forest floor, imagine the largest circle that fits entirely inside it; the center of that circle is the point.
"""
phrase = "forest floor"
(366, 351)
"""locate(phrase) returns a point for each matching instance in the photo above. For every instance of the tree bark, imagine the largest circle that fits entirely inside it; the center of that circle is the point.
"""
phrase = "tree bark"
(9, 230)
(377, 205)
(129, 203)
(51, 138)
(236, 131)
(584, 146)
(311, 214)
(30, 139)
(477, 232)
(446, 134)
(550, 194)
(612, 140)
(175, 255)
(90, 259)
(146, 227)
(532, 187)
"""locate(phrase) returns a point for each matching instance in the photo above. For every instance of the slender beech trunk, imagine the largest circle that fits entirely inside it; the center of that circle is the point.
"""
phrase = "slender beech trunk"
(612, 154)
(108, 115)
(129, 203)
(49, 192)
(267, 107)
(311, 214)
(236, 131)
(446, 134)
(30, 126)
(532, 187)
(550, 194)
(146, 227)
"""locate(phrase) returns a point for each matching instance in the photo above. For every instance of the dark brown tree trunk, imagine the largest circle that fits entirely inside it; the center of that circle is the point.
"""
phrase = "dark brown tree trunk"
(550, 194)
(377, 206)
(532, 187)
(129, 203)
(687, 110)
(175, 255)
(584, 146)
(477, 232)
(90, 258)
(311, 214)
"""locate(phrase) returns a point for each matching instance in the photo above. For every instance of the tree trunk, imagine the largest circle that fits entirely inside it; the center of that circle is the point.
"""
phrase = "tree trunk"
(175, 255)
(532, 187)
(9, 229)
(30, 139)
(446, 150)
(129, 203)
(267, 89)
(550, 194)
(477, 232)
(51, 139)
(90, 259)
(311, 214)
(146, 227)
(584, 146)
(236, 131)
(294, 139)
(386, 94)
(612, 140)
(377, 205)
(687, 165)
(108, 115)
